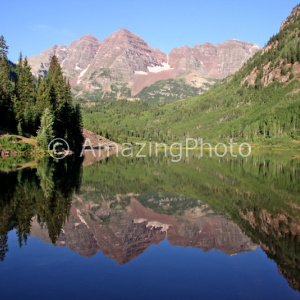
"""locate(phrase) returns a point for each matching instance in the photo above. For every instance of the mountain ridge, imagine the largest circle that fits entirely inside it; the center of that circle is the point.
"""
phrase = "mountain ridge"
(129, 62)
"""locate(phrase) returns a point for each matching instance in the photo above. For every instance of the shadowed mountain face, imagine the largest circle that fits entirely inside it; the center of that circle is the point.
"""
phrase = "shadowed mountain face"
(125, 234)
(123, 64)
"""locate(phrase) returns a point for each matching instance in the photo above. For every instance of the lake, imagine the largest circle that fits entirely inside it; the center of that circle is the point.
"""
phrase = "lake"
(150, 228)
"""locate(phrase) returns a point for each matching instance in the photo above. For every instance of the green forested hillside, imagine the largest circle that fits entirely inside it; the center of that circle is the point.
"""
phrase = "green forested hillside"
(165, 91)
(261, 102)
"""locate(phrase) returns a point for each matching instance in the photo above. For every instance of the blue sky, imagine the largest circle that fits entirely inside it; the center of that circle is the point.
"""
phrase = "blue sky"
(32, 26)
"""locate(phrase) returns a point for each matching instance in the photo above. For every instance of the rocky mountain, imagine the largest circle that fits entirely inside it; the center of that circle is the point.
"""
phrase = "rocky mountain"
(212, 61)
(73, 59)
(124, 234)
(124, 64)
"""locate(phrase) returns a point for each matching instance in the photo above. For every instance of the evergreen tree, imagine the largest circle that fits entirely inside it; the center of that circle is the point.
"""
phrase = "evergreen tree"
(6, 94)
(54, 65)
(64, 113)
(59, 84)
(24, 104)
(77, 127)
(19, 66)
(68, 93)
(45, 172)
(3, 246)
(298, 52)
(19, 128)
(67, 120)
(42, 96)
(45, 133)
(3, 48)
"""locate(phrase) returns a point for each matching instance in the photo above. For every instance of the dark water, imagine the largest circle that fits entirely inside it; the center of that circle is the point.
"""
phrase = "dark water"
(123, 228)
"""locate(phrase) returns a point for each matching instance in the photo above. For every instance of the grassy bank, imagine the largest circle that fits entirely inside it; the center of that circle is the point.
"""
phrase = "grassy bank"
(17, 144)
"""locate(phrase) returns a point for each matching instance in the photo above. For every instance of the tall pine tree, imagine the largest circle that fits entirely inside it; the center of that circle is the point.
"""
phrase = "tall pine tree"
(67, 119)
(6, 89)
(3, 48)
(45, 133)
(24, 103)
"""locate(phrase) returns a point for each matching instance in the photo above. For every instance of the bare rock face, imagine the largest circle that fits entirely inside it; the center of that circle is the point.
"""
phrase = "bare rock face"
(73, 59)
(121, 55)
(80, 54)
(125, 59)
(40, 63)
(124, 53)
(232, 54)
(212, 61)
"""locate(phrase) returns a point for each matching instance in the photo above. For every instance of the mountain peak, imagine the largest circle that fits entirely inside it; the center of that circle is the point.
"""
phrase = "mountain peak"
(88, 36)
(125, 33)
(124, 30)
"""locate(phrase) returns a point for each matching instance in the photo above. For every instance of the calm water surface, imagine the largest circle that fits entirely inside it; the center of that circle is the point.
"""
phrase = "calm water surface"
(126, 228)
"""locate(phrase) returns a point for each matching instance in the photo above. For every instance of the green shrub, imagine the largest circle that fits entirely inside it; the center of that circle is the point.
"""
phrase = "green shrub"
(13, 144)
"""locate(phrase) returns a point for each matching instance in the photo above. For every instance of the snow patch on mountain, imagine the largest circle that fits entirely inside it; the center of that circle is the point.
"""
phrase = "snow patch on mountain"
(157, 69)
(76, 67)
(140, 73)
(81, 74)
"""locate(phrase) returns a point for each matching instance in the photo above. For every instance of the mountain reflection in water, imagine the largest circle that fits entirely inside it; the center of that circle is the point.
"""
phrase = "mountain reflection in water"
(125, 234)
(121, 207)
